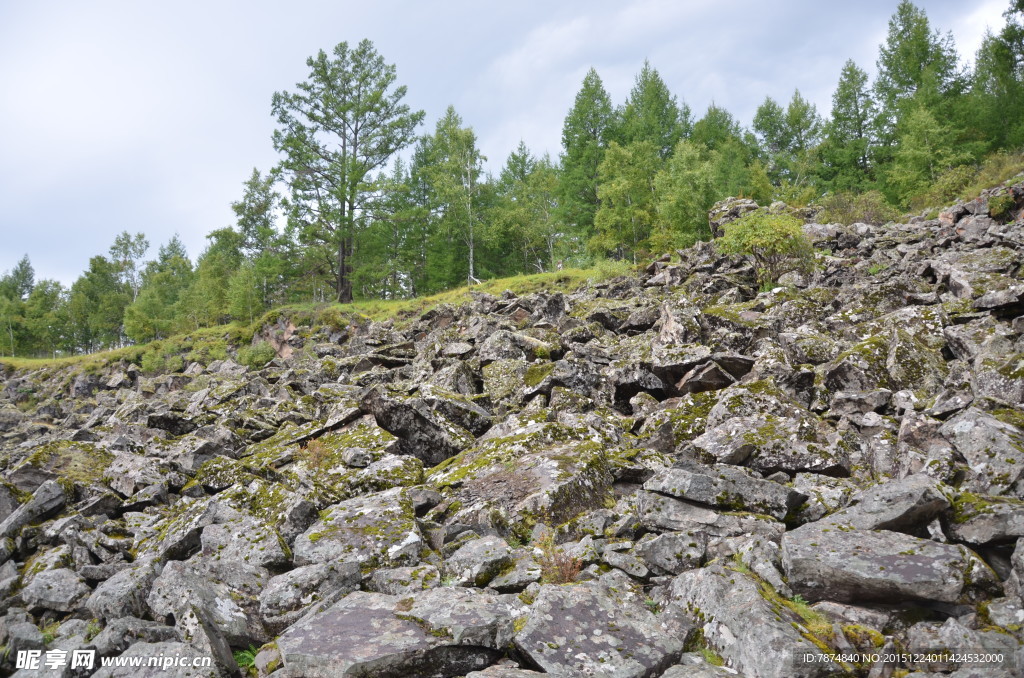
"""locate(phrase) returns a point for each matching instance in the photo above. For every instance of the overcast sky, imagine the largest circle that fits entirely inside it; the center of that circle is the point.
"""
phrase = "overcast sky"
(146, 116)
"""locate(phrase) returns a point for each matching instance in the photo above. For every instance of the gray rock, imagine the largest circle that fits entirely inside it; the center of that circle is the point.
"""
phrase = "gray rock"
(60, 590)
(728, 487)
(287, 596)
(694, 665)
(858, 566)
(524, 572)
(124, 594)
(478, 562)
(375, 530)
(423, 432)
(661, 513)
(673, 552)
(755, 637)
(47, 499)
(899, 505)
(369, 634)
(587, 629)
(993, 449)
(983, 519)
(119, 634)
(398, 581)
(228, 595)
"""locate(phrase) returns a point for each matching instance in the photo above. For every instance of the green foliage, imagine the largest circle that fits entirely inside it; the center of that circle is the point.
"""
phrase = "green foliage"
(585, 136)
(256, 356)
(775, 241)
(246, 659)
(651, 114)
(628, 200)
(556, 566)
(686, 190)
(852, 208)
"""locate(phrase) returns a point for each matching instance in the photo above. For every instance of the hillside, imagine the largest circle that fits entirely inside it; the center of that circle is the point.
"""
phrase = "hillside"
(677, 472)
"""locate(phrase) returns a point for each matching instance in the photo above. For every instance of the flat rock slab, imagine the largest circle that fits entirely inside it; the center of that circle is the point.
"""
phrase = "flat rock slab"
(858, 566)
(660, 513)
(983, 520)
(366, 634)
(898, 505)
(728, 487)
(755, 637)
(377, 529)
(588, 630)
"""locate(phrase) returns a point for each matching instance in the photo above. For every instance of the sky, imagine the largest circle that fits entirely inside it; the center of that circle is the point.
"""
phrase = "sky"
(148, 117)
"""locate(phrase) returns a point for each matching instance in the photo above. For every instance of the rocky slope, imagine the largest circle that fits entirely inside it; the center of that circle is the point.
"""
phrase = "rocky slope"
(648, 477)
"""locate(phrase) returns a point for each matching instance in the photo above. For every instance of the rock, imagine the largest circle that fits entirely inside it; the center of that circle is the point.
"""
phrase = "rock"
(661, 513)
(120, 634)
(673, 552)
(287, 596)
(124, 594)
(47, 499)
(851, 566)
(375, 530)
(586, 629)
(478, 562)
(981, 520)
(694, 665)
(423, 433)
(368, 633)
(899, 505)
(398, 581)
(756, 635)
(543, 471)
(227, 595)
(60, 590)
(728, 487)
(993, 449)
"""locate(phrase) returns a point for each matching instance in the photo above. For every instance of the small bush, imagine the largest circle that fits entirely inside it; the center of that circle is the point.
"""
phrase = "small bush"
(256, 356)
(848, 208)
(776, 242)
(556, 566)
(152, 361)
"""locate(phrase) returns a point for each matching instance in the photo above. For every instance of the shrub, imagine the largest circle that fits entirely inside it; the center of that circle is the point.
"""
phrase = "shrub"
(776, 242)
(256, 356)
(556, 566)
(866, 208)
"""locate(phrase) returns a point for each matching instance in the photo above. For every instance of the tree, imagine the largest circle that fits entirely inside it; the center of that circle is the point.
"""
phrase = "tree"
(848, 140)
(628, 200)
(454, 174)
(585, 136)
(156, 310)
(926, 149)
(686, 191)
(17, 283)
(913, 62)
(343, 124)
(787, 135)
(652, 114)
(126, 254)
(998, 84)
(96, 306)
(525, 213)
(244, 299)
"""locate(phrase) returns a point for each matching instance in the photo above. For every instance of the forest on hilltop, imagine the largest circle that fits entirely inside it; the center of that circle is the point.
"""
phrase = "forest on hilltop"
(343, 216)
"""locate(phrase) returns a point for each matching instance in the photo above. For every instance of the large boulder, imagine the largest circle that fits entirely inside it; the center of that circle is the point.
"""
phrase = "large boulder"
(594, 629)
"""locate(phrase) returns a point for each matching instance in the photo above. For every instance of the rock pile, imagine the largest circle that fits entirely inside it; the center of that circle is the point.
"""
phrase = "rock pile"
(673, 474)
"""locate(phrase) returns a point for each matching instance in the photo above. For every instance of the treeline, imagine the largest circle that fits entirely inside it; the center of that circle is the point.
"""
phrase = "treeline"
(363, 206)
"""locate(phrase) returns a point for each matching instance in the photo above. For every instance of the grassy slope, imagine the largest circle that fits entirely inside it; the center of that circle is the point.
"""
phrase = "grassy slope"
(318, 314)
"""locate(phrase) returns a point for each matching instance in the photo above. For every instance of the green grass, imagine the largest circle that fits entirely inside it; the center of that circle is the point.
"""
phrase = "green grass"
(211, 343)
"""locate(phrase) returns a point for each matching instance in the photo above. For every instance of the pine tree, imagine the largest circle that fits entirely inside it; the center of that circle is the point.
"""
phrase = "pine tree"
(848, 132)
(652, 114)
(914, 62)
(343, 124)
(686, 191)
(585, 137)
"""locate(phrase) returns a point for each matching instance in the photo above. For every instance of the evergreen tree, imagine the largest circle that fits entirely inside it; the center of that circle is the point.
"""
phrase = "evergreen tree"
(244, 298)
(17, 283)
(998, 83)
(926, 148)
(652, 114)
(585, 137)
(848, 140)
(914, 62)
(343, 124)
(716, 128)
(155, 312)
